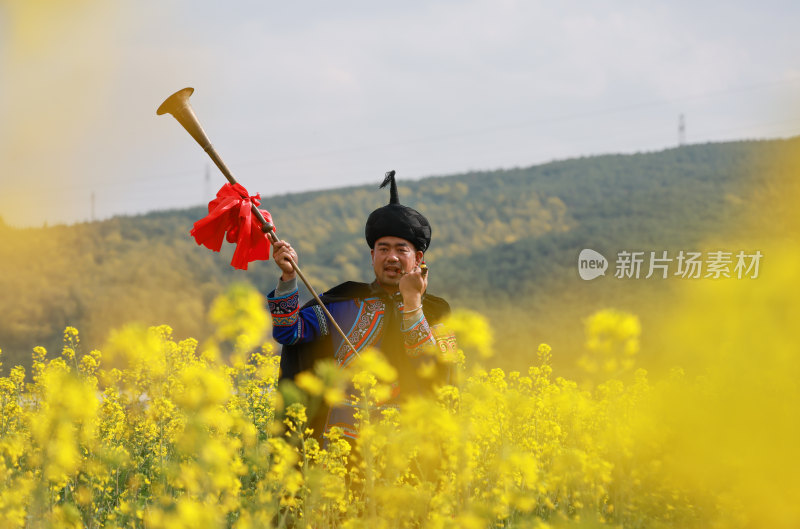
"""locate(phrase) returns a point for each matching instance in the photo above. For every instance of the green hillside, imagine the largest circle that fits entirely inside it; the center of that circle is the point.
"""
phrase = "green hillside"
(504, 243)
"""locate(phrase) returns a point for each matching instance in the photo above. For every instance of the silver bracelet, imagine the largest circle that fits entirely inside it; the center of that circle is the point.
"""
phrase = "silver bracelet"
(412, 311)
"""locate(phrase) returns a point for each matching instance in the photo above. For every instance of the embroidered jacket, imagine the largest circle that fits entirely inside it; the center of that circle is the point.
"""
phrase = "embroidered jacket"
(369, 317)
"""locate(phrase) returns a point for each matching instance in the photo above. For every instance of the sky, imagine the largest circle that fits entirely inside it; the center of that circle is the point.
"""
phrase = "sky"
(314, 95)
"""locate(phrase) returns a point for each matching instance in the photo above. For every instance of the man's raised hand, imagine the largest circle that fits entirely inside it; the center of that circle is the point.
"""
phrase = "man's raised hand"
(283, 254)
(412, 285)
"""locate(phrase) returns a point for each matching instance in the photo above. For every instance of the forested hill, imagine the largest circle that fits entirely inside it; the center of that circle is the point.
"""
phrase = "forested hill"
(504, 243)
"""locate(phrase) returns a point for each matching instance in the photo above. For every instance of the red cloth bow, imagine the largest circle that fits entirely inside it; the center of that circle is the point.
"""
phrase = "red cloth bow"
(231, 212)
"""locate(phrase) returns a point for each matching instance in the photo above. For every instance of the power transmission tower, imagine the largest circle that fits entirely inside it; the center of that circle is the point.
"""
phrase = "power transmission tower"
(207, 187)
(92, 206)
(681, 131)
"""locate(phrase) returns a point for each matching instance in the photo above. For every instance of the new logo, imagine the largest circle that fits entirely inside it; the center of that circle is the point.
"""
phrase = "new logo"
(591, 264)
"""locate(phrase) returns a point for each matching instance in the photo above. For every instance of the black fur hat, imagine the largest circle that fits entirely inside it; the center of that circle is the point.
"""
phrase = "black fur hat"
(397, 220)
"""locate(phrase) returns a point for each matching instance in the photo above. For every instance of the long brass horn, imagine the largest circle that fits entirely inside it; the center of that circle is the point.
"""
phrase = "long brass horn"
(178, 105)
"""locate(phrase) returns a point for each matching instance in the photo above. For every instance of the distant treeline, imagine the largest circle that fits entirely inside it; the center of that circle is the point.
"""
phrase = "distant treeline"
(505, 243)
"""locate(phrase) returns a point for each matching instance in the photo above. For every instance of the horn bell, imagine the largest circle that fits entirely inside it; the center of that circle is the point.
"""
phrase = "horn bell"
(178, 105)
(176, 101)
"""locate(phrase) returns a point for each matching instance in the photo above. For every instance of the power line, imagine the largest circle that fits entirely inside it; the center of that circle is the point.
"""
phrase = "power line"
(527, 123)
(167, 179)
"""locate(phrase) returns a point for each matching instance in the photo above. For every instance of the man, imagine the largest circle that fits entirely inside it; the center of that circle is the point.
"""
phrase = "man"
(394, 313)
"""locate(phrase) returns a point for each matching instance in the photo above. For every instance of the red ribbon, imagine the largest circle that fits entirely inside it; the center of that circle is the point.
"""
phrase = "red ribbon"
(232, 212)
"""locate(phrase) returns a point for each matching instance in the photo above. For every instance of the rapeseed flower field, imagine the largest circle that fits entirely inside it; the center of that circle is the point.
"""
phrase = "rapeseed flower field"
(158, 433)
(154, 432)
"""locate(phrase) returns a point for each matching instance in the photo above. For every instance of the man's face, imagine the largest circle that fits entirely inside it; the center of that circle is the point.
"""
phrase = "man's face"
(391, 258)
